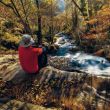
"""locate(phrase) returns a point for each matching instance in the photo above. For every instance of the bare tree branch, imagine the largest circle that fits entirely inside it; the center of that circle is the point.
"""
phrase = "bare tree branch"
(78, 7)
(16, 9)
(25, 13)
(16, 12)
(9, 6)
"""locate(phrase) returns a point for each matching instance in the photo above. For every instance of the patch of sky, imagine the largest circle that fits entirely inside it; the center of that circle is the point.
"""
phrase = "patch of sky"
(61, 5)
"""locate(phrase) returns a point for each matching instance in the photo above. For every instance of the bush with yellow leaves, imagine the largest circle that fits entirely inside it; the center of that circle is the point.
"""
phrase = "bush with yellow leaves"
(11, 38)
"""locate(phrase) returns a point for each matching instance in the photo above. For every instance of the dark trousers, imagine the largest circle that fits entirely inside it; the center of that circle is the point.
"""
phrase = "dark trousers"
(42, 60)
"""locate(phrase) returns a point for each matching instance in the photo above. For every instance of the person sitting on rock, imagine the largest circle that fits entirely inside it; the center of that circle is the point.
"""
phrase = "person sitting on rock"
(30, 57)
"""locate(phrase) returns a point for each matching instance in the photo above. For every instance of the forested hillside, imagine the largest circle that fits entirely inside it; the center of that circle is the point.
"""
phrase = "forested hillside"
(83, 20)
(76, 37)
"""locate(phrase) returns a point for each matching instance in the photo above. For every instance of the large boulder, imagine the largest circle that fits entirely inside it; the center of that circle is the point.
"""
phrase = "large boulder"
(50, 86)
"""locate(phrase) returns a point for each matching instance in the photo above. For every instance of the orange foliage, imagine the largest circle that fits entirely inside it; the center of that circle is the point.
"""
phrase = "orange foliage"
(100, 25)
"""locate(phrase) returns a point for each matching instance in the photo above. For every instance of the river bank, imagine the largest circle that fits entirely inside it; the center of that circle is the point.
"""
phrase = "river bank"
(54, 87)
(64, 83)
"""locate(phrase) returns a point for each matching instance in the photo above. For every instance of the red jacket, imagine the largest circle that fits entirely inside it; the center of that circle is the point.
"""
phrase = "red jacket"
(29, 58)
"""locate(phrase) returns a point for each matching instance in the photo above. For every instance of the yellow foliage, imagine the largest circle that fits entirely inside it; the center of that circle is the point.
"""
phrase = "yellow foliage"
(99, 24)
(50, 1)
(101, 17)
(92, 21)
(105, 6)
(11, 38)
(104, 11)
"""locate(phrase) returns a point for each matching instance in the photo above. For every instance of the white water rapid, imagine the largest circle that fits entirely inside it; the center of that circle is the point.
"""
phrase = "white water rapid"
(80, 60)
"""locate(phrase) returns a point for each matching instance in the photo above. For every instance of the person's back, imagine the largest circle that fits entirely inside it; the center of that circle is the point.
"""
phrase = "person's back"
(28, 55)
(29, 58)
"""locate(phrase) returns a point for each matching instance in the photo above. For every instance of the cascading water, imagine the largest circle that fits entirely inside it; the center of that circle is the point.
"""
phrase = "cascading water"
(80, 60)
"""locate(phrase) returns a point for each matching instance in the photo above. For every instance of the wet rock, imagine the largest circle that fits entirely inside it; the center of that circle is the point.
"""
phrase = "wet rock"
(74, 50)
(105, 52)
(108, 57)
(100, 53)
(50, 85)
(60, 63)
(52, 49)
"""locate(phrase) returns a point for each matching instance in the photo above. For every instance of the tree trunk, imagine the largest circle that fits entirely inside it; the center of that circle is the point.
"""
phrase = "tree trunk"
(75, 3)
(87, 9)
(74, 19)
(26, 27)
(51, 27)
(39, 32)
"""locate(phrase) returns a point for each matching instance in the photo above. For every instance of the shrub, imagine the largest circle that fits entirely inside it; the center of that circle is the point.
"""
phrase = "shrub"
(9, 24)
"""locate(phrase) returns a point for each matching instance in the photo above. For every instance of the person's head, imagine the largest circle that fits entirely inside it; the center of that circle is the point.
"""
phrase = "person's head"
(26, 40)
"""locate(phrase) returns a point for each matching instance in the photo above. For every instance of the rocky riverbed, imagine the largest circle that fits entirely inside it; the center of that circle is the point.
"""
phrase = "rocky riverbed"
(64, 84)
(53, 88)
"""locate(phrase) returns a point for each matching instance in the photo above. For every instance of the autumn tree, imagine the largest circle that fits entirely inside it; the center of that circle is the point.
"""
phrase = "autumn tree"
(20, 10)
(49, 10)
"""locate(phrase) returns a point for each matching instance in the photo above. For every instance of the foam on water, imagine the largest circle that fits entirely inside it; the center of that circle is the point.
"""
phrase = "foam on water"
(80, 60)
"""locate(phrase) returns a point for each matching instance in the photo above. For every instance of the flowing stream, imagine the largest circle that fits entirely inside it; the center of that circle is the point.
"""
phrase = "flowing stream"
(80, 60)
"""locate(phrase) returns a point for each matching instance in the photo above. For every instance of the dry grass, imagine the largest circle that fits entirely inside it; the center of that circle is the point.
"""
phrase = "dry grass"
(72, 104)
